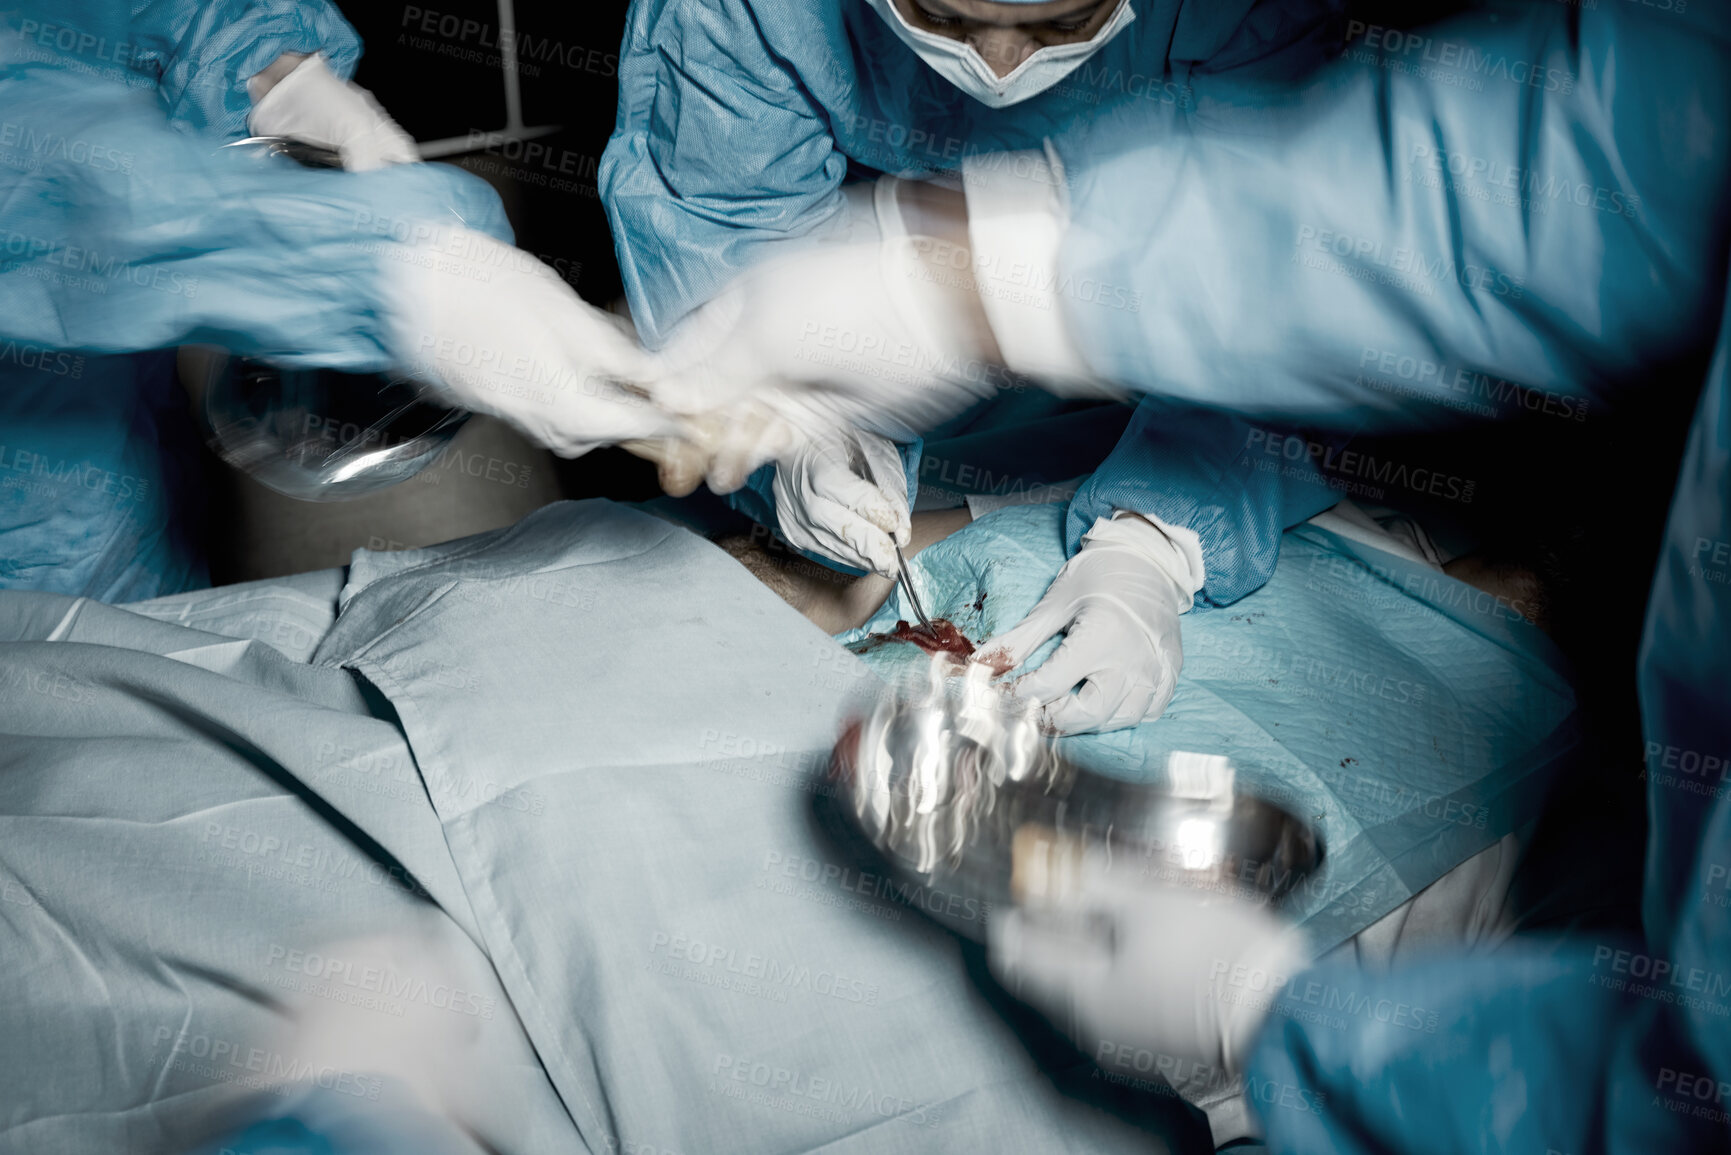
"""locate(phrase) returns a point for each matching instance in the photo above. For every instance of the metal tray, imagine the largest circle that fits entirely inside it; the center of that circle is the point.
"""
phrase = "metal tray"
(940, 794)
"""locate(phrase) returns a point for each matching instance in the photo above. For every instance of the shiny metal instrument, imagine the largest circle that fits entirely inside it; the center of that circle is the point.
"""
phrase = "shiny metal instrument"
(907, 581)
(300, 151)
(858, 462)
(946, 795)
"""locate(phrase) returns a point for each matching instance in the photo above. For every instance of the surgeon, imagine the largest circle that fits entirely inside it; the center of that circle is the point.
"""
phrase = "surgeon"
(1267, 306)
(1531, 196)
(744, 131)
(129, 229)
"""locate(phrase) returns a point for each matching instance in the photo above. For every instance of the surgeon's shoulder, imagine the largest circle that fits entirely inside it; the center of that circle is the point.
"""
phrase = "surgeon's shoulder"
(736, 26)
(655, 20)
(1273, 40)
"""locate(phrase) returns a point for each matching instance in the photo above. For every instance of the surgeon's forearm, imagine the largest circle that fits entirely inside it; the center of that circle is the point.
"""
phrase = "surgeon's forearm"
(171, 241)
(1393, 248)
(1205, 472)
(1465, 1034)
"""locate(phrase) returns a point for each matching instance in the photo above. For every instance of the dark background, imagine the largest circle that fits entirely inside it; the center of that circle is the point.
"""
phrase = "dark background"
(448, 83)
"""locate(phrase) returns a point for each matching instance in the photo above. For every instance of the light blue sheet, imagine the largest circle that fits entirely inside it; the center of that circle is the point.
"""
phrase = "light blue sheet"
(187, 822)
(289, 614)
(578, 762)
(1414, 719)
(588, 747)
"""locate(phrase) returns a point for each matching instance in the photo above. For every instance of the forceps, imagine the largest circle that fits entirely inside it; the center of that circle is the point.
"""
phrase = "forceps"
(858, 462)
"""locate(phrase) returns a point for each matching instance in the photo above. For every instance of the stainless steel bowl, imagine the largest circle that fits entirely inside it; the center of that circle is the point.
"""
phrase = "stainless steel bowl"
(316, 434)
(313, 434)
(940, 792)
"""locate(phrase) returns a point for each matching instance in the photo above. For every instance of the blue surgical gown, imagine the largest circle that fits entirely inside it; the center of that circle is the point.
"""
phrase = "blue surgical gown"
(100, 476)
(126, 229)
(197, 55)
(1513, 214)
(1521, 209)
(739, 121)
(1230, 481)
(1582, 1045)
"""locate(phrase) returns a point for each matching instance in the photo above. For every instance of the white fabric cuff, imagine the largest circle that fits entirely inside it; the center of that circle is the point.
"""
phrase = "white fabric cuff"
(858, 221)
(273, 112)
(888, 208)
(1016, 223)
(1174, 548)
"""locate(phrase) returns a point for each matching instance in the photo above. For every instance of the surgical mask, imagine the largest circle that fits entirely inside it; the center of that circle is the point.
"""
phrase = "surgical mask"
(965, 68)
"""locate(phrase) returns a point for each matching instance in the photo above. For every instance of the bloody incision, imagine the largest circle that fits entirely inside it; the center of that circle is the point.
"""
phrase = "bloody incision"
(944, 639)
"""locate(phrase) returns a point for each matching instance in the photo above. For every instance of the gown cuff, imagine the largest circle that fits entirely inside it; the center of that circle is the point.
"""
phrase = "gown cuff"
(1174, 548)
(1016, 222)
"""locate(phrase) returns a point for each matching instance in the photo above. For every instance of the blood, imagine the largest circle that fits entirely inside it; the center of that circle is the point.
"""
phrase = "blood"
(998, 661)
(945, 638)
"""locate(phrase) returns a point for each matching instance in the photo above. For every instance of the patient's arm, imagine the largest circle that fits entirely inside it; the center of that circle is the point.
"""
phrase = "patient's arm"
(833, 601)
(1519, 586)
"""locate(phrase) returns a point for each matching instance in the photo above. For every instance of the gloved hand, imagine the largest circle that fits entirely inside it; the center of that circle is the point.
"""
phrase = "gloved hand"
(1117, 960)
(825, 505)
(495, 330)
(834, 336)
(311, 104)
(1118, 602)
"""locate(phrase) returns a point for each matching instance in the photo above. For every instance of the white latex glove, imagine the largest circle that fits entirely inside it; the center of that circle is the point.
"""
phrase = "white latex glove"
(311, 104)
(829, 337)
(1117, 961)
(499, 332)
(826, 506)
(1117, 601)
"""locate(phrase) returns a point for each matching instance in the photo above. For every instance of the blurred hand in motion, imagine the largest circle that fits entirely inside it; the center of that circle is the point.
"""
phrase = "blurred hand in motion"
(1117, 602)
(840, 493)
(417, 1081)
(723, 449)
(874, 335)
(496, 331)
(307, 101)
(845, 497)
(1114, 959)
